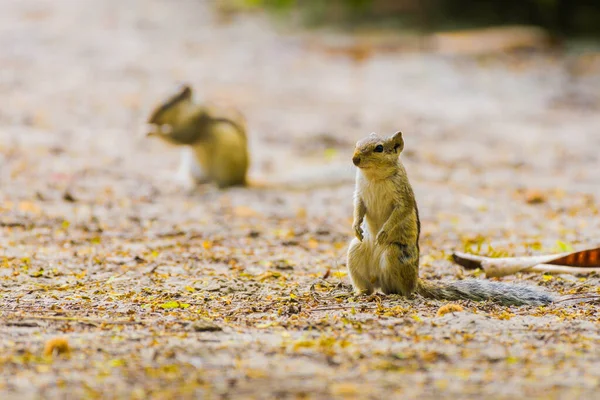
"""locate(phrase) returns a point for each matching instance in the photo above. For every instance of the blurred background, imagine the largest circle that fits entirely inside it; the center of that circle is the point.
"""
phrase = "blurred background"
(501, 94)
(559, 16)
(499, 103)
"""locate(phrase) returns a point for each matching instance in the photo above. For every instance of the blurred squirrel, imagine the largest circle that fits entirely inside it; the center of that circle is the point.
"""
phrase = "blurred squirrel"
(215, 147)
(385, 252)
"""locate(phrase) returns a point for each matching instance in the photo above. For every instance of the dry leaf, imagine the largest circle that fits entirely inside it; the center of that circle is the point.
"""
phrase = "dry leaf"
(56, 346)
(449, 308)
(535, 197)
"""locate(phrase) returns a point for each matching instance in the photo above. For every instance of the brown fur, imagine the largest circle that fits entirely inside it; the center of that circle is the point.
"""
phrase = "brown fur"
(216, 148)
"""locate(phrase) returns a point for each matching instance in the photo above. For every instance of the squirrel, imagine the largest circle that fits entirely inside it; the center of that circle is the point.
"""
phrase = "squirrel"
(215, 143)
(385, 250)
(215, 147)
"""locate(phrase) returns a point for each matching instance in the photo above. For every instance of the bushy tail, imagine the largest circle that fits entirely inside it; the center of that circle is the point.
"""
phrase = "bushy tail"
(480, 290)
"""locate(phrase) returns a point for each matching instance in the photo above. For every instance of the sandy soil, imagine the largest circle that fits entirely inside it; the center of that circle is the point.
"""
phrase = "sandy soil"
(163, 294)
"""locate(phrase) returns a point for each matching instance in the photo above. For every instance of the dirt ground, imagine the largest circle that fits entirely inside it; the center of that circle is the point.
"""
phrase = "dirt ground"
(243, 293)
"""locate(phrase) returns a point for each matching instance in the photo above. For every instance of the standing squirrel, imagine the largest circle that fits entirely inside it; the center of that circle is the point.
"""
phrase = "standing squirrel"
(385, 252)
(216, 147)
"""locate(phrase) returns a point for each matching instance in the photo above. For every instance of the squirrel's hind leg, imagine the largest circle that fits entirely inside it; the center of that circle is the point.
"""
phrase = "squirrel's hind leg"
(358, 263)
(399, 269)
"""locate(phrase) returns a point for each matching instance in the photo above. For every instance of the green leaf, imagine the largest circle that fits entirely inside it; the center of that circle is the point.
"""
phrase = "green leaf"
(37, 274)
(563, 247)
(173, 304)
(117, 362)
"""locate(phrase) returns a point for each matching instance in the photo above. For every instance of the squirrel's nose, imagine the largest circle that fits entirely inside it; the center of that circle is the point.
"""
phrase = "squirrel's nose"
(356, 160)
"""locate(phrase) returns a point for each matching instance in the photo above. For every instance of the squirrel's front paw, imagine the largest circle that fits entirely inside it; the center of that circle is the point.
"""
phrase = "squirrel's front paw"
(358, 232)
(382, 238)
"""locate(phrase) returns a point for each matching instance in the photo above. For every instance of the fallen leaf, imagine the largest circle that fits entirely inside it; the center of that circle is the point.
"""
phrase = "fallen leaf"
(449, 308)
(173, 304)
(535, 197)
(57, 346)
(67, 196)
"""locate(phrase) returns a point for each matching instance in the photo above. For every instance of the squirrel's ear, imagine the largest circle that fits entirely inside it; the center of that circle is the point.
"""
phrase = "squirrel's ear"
(398, 141)
(186, 92)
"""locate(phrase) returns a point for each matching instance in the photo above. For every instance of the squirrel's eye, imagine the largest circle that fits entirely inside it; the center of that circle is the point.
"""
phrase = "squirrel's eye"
(378, 149)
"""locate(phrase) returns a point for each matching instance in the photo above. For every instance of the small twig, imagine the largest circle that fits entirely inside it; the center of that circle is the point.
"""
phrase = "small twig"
(152, 270)
(81, 320)
(24, 323)
(11, 224)
(360, 307)
(579, 298)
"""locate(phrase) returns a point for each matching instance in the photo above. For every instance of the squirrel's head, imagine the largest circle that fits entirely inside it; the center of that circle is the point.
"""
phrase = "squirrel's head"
(163, 118)
(377, 153)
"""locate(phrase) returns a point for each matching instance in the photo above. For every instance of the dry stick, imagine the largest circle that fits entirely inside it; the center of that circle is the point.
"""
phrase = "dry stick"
(344, 308)
(579, 298)
(81, 320)
(556, 269)
(497, 267)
